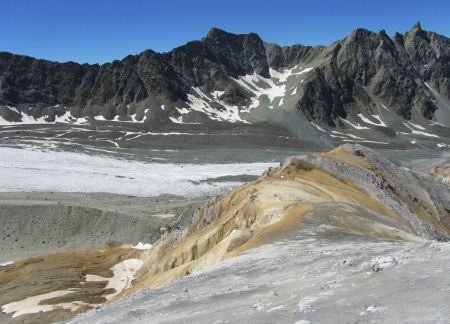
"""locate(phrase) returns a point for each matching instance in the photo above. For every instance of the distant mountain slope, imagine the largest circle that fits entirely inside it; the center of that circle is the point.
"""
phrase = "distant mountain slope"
(366, 80)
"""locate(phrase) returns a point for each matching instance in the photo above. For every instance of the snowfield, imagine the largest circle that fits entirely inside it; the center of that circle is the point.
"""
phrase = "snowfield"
(31, 170)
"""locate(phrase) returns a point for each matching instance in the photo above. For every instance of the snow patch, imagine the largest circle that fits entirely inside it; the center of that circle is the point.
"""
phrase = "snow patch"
(178, 120)
(368, 121)
(318, 127)
(365, 141)
(353, 125)
(216, 94)
(34, 304)
(373, 310)
(142, 246)
(123, 275)
(285, 74)
(431, 89)
(7, 263)
(384, 107)
(414, 131)
(260, 86)
(202, 103)
(347, 135)
(416, 126)
(275, 308)
(27, 119)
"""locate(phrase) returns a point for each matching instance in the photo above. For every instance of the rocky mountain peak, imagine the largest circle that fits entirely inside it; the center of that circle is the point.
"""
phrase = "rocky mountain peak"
(217, 33)
(383, 34)
(416, 27)
(361, 33)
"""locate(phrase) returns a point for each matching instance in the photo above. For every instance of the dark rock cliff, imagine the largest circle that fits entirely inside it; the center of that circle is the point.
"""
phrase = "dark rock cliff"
(358, 72)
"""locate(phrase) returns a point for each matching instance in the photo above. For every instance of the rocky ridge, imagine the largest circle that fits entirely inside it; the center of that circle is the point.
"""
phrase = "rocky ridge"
(224, 76)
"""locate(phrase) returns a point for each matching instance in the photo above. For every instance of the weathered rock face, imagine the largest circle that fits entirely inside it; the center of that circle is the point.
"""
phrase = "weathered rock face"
(441, 173)
(168, 76)
(367, 68)
(360, 72)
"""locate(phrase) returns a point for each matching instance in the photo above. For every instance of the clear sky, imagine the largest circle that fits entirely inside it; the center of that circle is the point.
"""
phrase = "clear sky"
(103, 30)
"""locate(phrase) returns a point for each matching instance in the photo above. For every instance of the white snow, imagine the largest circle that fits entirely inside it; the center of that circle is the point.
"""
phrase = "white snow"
(110, 141)
(32, 170)
(216, 94)
(182, 110)
(27, 119)
(273, 87)
(318, 127)
(7, 263)
(202, 103)
(123, 275)
(373, 309)
(435, 123)
(431, 89)
(178, 120)
(347, 135)
(338, 136)
(365, 141)
(259, 86)
(384, 107)
(145, 114)
(416, 126)
(353, 125)
(142, 246)
(414, 131)
(279, 307)
(163, 215)
(368, 121)
(285, 74)
(100, 118)
(34, 304)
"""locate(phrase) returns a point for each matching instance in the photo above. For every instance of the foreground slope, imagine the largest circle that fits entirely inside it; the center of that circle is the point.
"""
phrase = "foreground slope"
(302, 232)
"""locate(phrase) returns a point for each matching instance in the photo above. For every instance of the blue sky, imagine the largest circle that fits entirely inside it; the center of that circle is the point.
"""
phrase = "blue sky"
(97, 31)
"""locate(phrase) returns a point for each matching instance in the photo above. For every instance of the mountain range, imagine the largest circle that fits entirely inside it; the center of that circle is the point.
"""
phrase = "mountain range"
(368, 80)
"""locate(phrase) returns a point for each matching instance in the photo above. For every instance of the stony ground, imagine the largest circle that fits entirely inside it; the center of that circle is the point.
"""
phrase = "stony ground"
(311, 276)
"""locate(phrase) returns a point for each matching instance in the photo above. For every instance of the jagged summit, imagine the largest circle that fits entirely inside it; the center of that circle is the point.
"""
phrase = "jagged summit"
(417, 27)
(216, 33)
